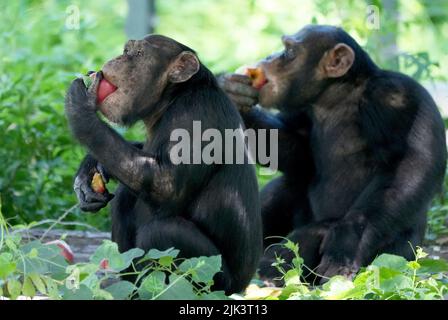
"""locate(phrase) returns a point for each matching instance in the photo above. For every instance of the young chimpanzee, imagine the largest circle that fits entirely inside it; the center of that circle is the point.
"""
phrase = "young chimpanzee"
(362, 151)
(200, 209)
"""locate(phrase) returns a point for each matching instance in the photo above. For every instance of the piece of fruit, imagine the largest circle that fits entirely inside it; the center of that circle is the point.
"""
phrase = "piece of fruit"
(98, 183)
(66, 251)
(257, 76)
(105, 88)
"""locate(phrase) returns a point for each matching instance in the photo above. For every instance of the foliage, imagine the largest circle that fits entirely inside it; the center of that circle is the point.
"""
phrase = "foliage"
(388, 277)
(35, 268)
(40, 56)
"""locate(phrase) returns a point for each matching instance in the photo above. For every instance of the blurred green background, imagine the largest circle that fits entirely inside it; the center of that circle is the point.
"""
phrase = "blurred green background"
(40, 56)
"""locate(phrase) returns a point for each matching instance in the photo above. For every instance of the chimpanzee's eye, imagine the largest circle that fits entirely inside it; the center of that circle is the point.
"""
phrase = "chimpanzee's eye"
(125, 51)
(289, 53)
(139, 53)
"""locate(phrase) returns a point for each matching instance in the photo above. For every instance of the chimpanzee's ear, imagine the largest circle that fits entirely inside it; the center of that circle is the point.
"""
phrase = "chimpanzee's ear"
(338, 60)
(184, 67)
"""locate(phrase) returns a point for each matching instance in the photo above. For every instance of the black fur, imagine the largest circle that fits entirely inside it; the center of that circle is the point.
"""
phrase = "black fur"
(361, 161)
(200, 209)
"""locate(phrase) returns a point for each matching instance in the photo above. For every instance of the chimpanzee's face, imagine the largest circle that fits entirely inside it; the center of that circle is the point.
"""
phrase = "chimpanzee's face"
(282, 70)
(141, 74)
(297, 74)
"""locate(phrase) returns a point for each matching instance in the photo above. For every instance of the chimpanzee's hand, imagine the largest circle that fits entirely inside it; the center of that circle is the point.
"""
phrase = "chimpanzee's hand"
(80, 98)
(339, 251)
(88, 199)
(239, 88)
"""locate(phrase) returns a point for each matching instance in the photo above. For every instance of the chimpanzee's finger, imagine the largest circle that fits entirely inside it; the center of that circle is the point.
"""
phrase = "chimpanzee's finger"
(102, 171)
(92, 196)
(93, 89)
(79, 194)
(238, 78)
(77, 88)
(92, 207)
(242, 101)
(239, 88)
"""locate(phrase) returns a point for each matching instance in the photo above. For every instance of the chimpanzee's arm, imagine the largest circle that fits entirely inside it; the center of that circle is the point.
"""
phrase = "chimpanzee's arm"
(89, 166)
(88, 199)
(128, 164)
(294, 155)
(409, 146)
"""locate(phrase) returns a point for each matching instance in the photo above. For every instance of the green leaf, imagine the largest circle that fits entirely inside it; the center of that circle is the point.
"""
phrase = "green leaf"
(394, 284)
(178, 289)
(157, 254)
(10, 244)
(38, 283)
(14, 288)
(121, 290)
(203, 269)
(100, 294)
(33, 253)
(130, 255)
(288, 290)
(337, 288)
(52, 288)
(152, 285)
(87, 81)
(297, 262)
(420, 254)
(49, 260)
(7, 266)
(414, 265)
(28, 288)
(433, 266)
(83, 293)
(391, 261)
(117, 261)
(292, 276)
(166, 261)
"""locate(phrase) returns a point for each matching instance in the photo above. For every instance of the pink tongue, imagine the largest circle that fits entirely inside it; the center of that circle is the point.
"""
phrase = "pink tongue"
(105, 88)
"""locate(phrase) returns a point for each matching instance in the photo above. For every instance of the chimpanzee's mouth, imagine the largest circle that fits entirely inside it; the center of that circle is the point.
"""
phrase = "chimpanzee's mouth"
(105, 89)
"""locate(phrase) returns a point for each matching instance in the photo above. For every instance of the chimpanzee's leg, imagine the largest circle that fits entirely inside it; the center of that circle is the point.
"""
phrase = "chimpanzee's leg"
(123, 218)
(404, 244)
(185, 236)
(284, 207)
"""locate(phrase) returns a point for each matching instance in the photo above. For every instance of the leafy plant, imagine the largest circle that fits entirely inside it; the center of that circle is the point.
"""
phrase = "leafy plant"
(388, 277)
(35, 268)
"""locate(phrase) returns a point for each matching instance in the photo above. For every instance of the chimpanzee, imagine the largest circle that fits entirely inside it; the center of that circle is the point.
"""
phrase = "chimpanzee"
(362, 151)
(200, 209)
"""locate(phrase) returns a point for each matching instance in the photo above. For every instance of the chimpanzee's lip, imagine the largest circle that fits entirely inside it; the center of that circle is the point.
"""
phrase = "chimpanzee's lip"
(105, 77)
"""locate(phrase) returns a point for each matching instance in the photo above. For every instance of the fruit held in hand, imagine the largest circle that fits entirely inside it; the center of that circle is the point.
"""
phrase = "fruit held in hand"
(257, 76)
(105, 88)
(98, 183)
